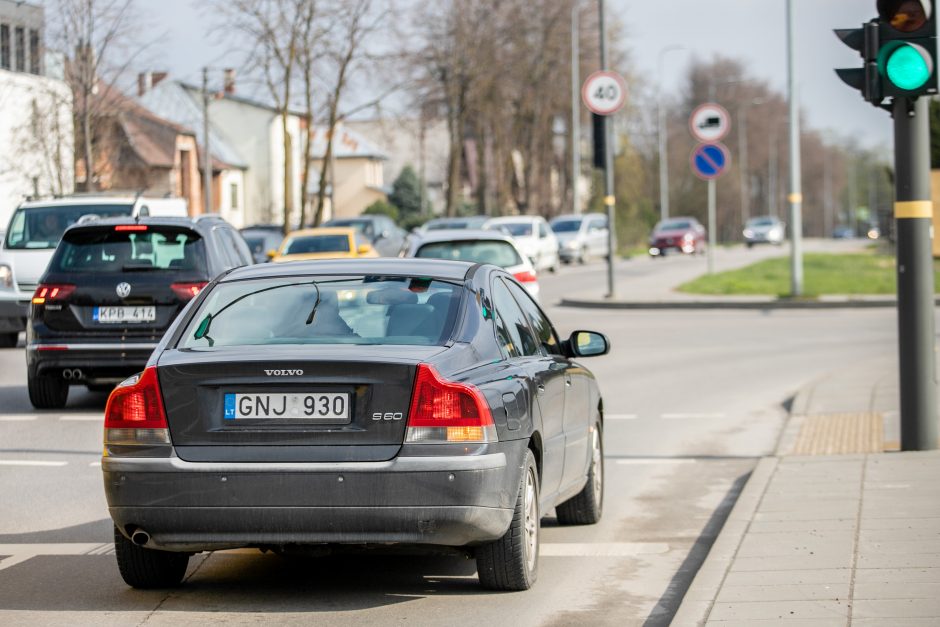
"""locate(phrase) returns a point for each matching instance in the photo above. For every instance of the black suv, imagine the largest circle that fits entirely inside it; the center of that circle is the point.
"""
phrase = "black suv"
(110, 291)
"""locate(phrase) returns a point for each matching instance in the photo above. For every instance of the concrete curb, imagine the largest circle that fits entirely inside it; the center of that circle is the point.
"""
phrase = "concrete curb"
(764, 304)
(702, 594)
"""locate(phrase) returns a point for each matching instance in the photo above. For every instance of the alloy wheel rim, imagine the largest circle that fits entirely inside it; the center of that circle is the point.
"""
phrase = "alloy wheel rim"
(530, 528)
(598, 467)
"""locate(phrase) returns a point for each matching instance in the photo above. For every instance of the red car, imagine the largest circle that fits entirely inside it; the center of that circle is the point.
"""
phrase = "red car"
(683, 235)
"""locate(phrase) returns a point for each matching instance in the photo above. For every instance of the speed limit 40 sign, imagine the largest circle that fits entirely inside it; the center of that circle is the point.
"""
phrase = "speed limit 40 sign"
(604, 92)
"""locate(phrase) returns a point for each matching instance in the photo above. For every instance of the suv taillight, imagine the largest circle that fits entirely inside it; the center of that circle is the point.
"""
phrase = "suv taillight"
(526, 276)
(49, 292)
(187, 291)
(134, 414)
(444, 411)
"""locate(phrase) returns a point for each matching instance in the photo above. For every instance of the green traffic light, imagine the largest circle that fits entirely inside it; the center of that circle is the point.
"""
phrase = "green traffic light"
(908, 67)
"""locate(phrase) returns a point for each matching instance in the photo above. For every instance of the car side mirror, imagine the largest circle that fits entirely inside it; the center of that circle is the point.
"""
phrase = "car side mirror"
(588, 344)
(271, 254)
(364, 249)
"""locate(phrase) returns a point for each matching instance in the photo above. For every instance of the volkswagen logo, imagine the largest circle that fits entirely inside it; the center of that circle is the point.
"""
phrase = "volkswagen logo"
(123, 289)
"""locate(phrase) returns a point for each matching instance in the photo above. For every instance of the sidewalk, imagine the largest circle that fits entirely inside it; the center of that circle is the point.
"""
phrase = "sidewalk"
(830, 539)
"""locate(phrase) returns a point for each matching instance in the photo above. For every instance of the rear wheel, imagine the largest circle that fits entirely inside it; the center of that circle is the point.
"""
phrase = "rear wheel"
(511, 563)
(47, 392)
(586, 507)
(9, 340)
(148, 568)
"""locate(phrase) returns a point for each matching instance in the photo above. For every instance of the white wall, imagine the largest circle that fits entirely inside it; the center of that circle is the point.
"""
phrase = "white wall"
(36, 137)
(234, 215)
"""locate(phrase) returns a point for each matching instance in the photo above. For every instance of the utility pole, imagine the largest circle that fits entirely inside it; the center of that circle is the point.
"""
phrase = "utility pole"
(663, 135)
(575, 135)
(207, 159)
(795, 197)
(609, 199)
(913, 211)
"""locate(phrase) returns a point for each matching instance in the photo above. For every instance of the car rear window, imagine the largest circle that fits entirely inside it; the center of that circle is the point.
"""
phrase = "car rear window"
(676, 225)
(42, 227)
(566, 226)
(496, 252)
(329, 310)
(113, 249)
(517, 229)
(305, 244)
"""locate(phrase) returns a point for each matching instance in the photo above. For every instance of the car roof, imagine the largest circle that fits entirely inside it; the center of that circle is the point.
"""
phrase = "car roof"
(323, 230)
(191, 223)
(511, 219)
(78, 201)
(394, 266)
(454, 235)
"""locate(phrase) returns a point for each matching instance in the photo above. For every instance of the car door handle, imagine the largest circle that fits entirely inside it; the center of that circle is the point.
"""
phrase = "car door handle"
(541, 389)
(568, 381)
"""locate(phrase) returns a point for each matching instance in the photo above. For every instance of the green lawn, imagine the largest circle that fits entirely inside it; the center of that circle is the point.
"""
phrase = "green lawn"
(859, 273)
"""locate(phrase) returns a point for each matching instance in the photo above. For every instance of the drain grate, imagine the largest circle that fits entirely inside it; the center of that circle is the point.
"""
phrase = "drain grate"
(840, 434)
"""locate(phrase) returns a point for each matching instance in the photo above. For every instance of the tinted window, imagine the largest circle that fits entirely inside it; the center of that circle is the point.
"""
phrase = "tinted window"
(543, 230)
(511, 325)
(541, 326)
(517, 229)
(42, 227)
(566, 226)
(349, 310)
(304, 244)
(497, 252)
(108, 250)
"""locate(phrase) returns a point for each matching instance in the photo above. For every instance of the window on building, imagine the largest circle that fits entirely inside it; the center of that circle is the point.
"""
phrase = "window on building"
(233, 191)
(19, 54)
(5, 46)
(34, 66)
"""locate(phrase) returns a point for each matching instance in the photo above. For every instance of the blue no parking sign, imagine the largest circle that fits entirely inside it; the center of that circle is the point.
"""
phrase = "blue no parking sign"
(709, 161)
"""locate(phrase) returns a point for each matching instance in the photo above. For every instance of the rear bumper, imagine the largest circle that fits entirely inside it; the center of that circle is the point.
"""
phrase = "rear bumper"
(111, 361)
(14, 309)
(187, 506)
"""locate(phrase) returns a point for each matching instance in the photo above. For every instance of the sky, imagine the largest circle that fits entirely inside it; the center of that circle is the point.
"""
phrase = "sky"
(750, 30)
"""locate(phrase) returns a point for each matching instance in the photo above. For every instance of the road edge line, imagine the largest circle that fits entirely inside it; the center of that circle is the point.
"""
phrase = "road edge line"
(702, 594)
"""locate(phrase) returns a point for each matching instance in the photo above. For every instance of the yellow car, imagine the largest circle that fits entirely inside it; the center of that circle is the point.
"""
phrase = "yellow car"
(322, 243)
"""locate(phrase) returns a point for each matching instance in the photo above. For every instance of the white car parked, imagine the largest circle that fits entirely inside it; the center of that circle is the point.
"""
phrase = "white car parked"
(533, 236)
(581, 236)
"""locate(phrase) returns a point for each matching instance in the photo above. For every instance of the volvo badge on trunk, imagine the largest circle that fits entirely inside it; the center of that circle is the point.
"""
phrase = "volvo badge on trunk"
(282, 373)
(123, 289)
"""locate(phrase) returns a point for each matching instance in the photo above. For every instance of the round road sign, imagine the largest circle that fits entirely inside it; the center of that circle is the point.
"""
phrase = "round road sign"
(709, 161)
(709, 122)
(604, 92)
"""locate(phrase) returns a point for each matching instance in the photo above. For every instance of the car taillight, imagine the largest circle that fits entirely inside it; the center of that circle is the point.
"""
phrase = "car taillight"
(134, 414)
(186, 291)
(131, 227)
(526, 276)
(48, 292)
(447, 412)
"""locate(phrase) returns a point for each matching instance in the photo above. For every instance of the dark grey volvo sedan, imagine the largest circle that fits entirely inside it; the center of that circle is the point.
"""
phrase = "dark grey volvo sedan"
(355, 402)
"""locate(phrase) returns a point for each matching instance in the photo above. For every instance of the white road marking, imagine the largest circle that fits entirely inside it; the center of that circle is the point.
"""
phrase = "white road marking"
(620, 417)
(83, 417)
(18, 418)
(690, 416)
(30, 462)
(646, 461)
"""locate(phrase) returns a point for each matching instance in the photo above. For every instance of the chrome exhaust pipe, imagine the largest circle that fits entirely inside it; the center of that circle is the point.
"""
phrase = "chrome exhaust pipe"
(77, 373)
(67, 374)
(140, 537)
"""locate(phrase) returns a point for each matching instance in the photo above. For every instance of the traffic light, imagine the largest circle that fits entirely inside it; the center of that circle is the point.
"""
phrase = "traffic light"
(907, 54)
(898, 49)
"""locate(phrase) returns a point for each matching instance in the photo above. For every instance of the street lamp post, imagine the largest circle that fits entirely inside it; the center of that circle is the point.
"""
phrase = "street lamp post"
(663, 135)
(575, 108)
(795, 197)
(742, 158)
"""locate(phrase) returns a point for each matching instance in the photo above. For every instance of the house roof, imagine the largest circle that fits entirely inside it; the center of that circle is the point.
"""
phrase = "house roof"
(172, 100)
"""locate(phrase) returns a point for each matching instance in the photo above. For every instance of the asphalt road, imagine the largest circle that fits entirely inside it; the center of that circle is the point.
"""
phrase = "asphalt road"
(692, 398)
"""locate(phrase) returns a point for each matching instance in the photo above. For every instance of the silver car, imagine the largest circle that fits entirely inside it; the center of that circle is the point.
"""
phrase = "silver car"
(581, 236)
(764, 230)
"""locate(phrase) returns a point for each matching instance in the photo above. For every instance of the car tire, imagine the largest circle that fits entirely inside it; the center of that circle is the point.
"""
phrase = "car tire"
(750, 244)
(47, 392)
(9, 340)
(511, 563)
(582, 256)
(148, 568)
(586, 507)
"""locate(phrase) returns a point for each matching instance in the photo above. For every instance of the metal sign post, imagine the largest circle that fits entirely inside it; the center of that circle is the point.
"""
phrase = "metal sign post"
(709, 161)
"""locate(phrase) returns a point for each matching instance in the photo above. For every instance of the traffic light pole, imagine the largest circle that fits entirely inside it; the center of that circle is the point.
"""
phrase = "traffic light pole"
(913, 211)
(609, 199)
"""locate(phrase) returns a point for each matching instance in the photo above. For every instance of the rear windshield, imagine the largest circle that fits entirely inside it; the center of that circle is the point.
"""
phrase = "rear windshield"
(362, 226)
(516, 229)
(675, 225)
(305, 244)
(496, 252)
(331, 310)
(762, 222)
(42, 227)
(158, 249)
(566, 226)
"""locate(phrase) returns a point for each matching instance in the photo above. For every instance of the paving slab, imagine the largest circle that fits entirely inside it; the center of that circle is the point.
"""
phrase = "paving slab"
(789, 577)
(896, 608)
(767, 610)
(786, 622)
(896, 590)
(897, 575)
(785, 592)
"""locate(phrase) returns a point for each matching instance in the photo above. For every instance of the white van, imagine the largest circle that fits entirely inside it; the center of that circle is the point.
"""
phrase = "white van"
(34, 232)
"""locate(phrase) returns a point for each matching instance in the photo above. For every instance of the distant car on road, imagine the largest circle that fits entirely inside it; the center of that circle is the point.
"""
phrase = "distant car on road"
(380, 232)
(764, 230)
(534, 238)
(369, 402)
(262, 238)
(478, 247)
(112, 288)
(581, 236)
(33, 233)
(326, 242)
(843, 232)
(682, 235)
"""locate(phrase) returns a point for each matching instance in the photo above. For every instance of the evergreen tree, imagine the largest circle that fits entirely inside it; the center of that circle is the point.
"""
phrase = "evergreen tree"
(406, 193)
